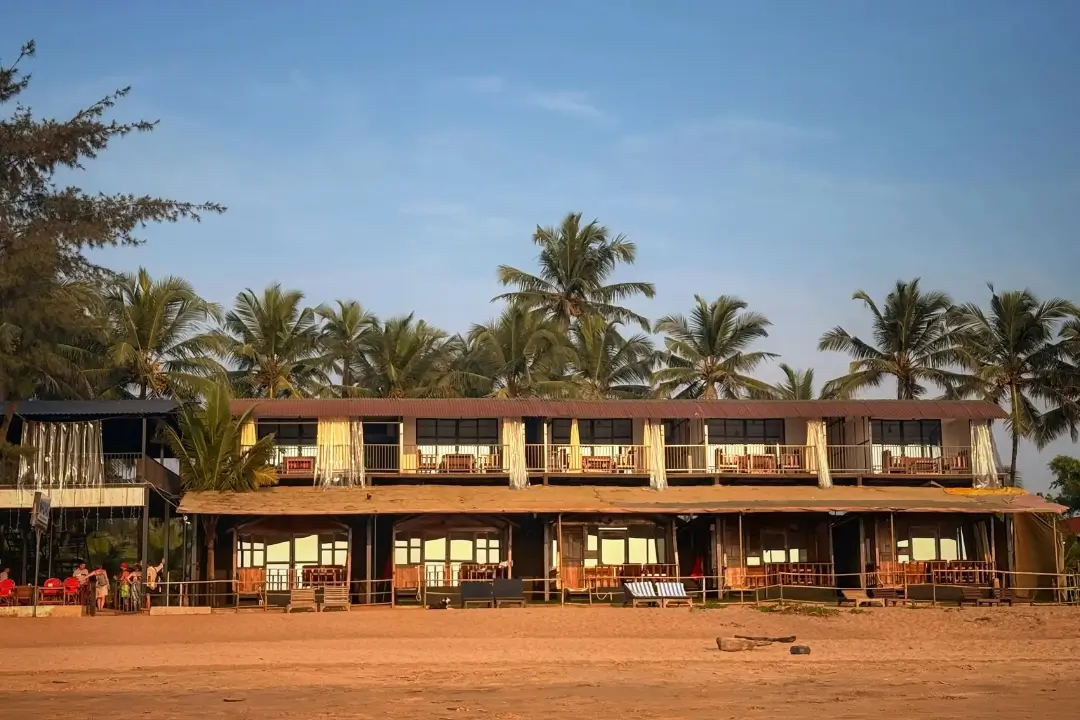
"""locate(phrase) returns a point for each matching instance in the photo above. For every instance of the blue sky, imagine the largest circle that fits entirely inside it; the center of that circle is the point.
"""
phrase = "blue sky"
(785, 152)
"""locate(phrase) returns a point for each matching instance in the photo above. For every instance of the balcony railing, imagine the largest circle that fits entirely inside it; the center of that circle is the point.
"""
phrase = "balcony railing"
(577, 576)
(900, 460)
(307, 461)
(76, 470)
(595, 459)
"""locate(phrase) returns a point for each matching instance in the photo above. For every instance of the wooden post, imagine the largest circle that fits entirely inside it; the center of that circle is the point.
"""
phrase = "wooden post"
(558, 560)
(145, 549)
(742, 550)
(547, 560)
(993, 551)
(369, 532)
(235, 552)
(714, 558)
(509, 550)
(675, 549)
(862, 551)
(721, 557)
(348, 564)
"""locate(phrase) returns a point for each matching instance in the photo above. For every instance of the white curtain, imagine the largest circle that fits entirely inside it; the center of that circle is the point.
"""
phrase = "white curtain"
(654, 451)
(514, 439)
(984, 464)
(818, 450)
(357, 459)
(68, 454)
(334, 459)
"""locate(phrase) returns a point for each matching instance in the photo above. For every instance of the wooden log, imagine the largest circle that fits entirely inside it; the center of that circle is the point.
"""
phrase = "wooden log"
(783, 639)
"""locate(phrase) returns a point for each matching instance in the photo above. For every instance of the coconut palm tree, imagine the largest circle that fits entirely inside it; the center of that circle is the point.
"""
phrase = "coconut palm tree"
(518, 354)
(709, 353)
(912, 343)
(576, 263)
(607, 365)
(206, 443)
(342, 337)
(1016, 359)
(406, 358)
(155, 341)
(273, 343)
(797, 385)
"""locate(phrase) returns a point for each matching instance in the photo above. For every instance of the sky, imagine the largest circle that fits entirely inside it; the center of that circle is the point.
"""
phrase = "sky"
(786, 152)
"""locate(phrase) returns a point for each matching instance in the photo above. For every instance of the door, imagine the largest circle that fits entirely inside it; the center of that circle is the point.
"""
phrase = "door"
(572, 558)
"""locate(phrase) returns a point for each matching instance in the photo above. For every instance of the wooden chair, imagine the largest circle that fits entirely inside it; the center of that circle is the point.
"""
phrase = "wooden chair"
(335, 596)
(970, 595)
(301, 599)
(508, 591)
(426, 463)
(7, 592)
(1008, 596)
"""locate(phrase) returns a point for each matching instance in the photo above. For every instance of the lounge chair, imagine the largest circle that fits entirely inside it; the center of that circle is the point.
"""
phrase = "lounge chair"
(887, 595)
(970, 595)
(301, 599)
(641, 592)
(858, 598)
(477, 592)
(508, 591)
(1008, 596)
(335, 596)
(672, 594)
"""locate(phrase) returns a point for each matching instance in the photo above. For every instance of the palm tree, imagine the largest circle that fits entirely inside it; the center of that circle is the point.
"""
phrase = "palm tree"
(406, 358)
(607, 365)
(708, 354)
(518, 354)
(344, 331)
(1017, 360)
(206, 443)
(273, 342)
(576, 262)
(912, 343)
(797, 385)
(155, 342)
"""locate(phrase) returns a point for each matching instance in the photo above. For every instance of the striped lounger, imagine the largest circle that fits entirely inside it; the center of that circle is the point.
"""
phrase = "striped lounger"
(673, 594)
(640, 592)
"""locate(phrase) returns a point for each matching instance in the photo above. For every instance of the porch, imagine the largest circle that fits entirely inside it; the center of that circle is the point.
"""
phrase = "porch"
(762, 550)
(594, 553)
(439, 552)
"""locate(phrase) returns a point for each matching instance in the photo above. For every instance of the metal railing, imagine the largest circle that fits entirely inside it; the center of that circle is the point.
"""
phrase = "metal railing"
(901, 460)
(761, 459)
(585, 459)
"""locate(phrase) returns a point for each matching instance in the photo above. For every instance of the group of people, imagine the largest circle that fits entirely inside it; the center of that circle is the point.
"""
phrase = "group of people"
(134, 593)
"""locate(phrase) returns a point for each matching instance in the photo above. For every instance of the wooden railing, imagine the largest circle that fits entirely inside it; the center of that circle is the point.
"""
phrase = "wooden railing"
(580, 577)
(806, 574)
(900, 460)
(938, 572)
(586, 459)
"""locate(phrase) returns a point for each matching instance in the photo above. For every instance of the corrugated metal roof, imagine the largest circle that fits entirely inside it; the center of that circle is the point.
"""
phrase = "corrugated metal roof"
(529, 407)
(417, 499)
(95, 408)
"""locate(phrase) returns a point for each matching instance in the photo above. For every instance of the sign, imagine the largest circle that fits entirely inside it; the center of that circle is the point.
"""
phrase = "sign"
(39, 516)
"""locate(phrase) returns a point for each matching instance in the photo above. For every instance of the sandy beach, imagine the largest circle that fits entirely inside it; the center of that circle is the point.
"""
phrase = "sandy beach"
(545, 662)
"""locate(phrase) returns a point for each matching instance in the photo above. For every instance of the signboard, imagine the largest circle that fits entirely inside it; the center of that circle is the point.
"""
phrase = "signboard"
(39, 516)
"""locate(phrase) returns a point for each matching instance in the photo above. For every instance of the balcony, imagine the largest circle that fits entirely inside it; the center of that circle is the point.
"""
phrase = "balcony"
(342, 461)
(587, 459)
(900, 460)
(740, 459)
(50, 471)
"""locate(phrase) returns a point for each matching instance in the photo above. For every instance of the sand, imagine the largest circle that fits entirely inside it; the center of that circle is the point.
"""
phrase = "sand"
(542, 663)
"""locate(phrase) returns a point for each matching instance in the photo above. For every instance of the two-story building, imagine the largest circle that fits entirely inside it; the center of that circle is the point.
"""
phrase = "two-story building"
(400, 496)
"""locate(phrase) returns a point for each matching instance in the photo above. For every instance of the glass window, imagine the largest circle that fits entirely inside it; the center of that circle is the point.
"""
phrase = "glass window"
(924, 544)
(288, 432)
(751, 432)
(905, 432)
(432, 431)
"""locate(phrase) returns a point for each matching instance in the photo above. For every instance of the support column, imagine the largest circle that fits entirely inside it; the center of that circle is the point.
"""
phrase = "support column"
(558, 559)
(675, 547)
(547, 560)
(163, 576)
(862, 552)
(369, 532)
(509, 550)
(145, 549)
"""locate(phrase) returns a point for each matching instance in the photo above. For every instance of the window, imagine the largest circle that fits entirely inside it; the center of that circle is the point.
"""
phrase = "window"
(251, 554)
(487, 549)
(333, 551)
(408, 550)
(594, 432)
(905, 432)
(748, 432)
(432, 431)
(289, 433)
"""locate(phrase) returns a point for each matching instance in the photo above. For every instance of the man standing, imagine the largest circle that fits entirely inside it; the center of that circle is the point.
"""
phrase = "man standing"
(152, 587)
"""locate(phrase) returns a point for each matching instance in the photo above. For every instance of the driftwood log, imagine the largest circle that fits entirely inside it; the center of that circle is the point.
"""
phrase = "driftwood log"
(783, 639)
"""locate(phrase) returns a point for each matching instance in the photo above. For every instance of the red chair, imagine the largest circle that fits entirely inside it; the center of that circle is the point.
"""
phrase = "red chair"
(72, 591)
(7, 592)
(52, 592)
